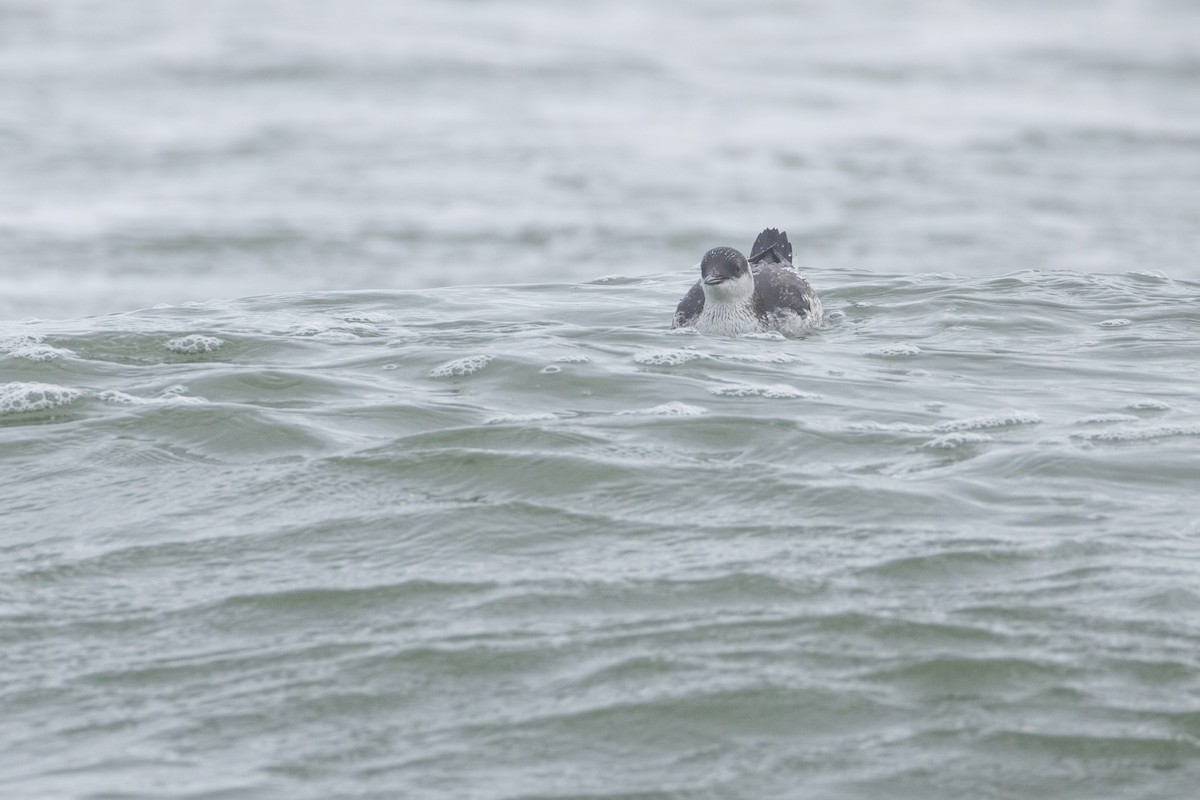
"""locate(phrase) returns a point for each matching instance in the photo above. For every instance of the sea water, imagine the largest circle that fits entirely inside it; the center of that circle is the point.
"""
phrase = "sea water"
(346, 450)
(527, 541)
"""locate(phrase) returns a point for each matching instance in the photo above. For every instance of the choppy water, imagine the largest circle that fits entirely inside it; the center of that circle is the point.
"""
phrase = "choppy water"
(426, 507)
(177, 151)
(526, 542)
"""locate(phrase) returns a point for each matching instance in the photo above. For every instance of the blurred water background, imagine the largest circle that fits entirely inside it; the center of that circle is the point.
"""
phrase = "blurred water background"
(345, 451)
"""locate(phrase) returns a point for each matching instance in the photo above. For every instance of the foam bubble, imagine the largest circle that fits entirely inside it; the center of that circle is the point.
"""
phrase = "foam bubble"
(195, 343)
(1140, 434)
(21, 397)
(573, 359)
(772, 336)
(42, 352)
(1119, 322)
(952, 440)
(461, 367)
(1003, 419)
(121, 399)
(520, 418)
(1100, 419)
(1148, 404)
(773, 391)
(764, 358)
(897, 350)
(30, 347)
(166, 398)
(667, 358)
(11, 342)
(550, 369)
(671, 409)
(370, 317)
(889, 427)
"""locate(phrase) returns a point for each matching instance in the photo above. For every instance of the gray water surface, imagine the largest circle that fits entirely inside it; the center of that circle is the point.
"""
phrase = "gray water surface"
(346, 451)
(174, 151)
(525, 542)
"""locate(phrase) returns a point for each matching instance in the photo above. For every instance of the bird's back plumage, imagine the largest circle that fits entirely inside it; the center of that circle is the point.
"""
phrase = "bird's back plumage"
(782, 299)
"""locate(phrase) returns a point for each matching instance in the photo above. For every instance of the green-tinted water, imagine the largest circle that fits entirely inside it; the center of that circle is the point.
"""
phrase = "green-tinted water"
(356, 536)
(519, 542)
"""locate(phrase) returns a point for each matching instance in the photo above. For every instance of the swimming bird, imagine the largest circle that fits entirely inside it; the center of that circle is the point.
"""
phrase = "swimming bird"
(737, 295)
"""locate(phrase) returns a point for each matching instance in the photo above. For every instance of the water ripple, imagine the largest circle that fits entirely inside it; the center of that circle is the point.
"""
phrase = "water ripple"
(705, 555)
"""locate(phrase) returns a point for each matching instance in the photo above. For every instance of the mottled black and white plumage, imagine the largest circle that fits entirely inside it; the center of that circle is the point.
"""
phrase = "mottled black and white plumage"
(737, 295)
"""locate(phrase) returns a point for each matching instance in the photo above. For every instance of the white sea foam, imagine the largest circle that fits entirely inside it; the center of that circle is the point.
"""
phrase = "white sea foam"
(167, 398)
(194, 344)
(1002, 419)
(21, 397)
(773, 391)
(667, 358)
(10, 342)
(30, 347)
(1119, 322)
(41, 352)
(1100, 419)
(762, 358)
(505, 419)
(897, 350)
(461, 367)
(370, 317)
(1140, 434)
(573, 359)
(889, 427)
(1148, 404)
(671, 409)
(952, 440)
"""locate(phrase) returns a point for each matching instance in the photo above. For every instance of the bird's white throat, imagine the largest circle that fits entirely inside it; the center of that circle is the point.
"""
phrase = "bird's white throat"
(728, 308)
(734, 290)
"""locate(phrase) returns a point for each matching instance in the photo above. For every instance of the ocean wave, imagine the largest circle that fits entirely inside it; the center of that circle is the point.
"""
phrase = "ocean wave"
(25, 397)
(194, 343)
(461, 367)
(31, 347)
(667, 358)
(652, 534)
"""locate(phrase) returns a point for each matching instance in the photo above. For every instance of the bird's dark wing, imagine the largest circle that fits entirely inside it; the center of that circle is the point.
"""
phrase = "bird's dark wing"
(779, 288)
(771, 247)
(689, 307)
